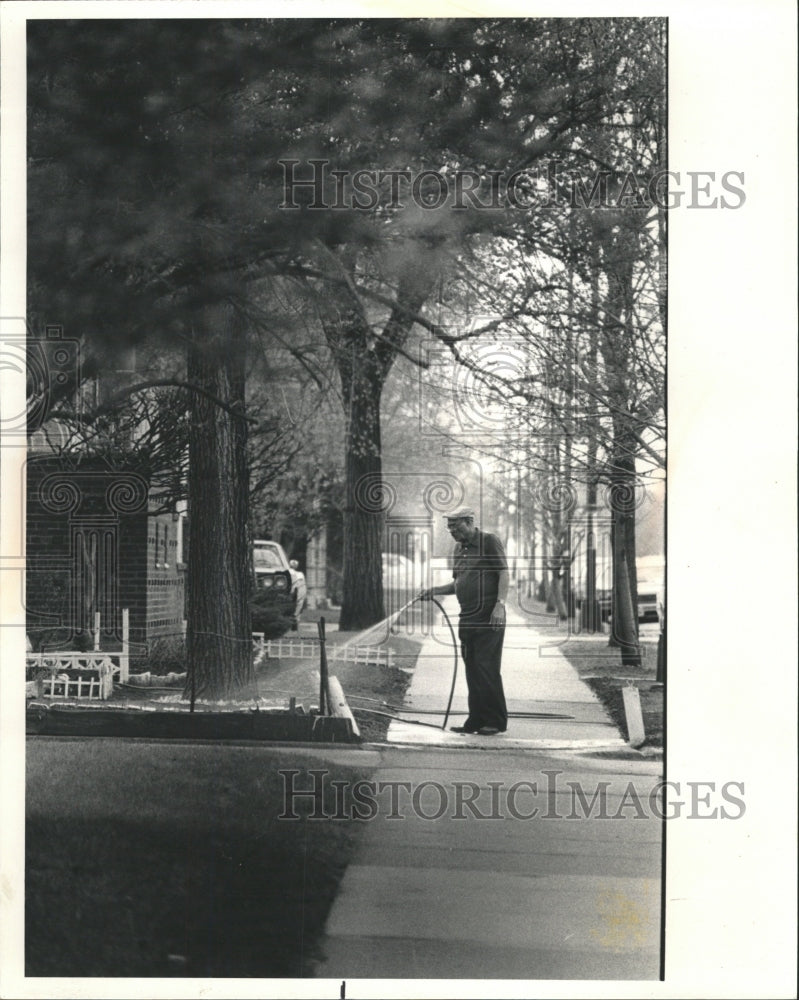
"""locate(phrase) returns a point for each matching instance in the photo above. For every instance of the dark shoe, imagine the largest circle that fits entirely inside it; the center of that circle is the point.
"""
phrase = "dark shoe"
(488, 731)
(462, 729)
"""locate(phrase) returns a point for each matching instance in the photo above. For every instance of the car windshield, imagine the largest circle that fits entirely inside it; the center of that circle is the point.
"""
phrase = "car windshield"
(266, 557)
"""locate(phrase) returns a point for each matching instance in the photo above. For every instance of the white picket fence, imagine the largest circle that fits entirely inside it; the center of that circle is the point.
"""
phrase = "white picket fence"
(91, 676)
(308, 649)
(108, 664)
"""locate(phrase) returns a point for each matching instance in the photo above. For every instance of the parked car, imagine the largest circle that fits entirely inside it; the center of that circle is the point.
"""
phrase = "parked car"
(649, 571)
(279, 579)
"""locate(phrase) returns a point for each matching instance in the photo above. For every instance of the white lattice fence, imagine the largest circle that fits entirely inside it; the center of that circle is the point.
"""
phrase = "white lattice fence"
(370, 655)
(71, 675)
(106, 664)
(303, 649)
(80, 661)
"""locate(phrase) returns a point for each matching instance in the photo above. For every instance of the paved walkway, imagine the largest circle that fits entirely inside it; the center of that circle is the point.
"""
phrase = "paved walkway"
(508, 857)
(550, 707)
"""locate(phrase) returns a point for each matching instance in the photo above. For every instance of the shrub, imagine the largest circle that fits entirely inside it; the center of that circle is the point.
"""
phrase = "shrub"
(270, 617)
(50, 593)
(62, 639)
(167, 655)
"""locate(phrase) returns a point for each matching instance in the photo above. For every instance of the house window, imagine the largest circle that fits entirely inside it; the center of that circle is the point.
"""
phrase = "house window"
(182, 541)
(161, 546)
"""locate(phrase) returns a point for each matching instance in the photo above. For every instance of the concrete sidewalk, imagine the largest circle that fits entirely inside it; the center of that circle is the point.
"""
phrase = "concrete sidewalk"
(550, 707)
(504, 857)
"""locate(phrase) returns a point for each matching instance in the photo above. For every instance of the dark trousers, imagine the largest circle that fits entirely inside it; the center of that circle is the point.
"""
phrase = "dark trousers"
(481, 648)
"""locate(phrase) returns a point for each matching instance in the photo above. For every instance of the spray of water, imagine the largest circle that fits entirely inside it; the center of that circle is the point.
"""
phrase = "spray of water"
(380, 630)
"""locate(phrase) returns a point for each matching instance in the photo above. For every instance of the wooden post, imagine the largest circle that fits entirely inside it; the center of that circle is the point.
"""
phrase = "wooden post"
(324, 696)
(124, 659)
(96, 631)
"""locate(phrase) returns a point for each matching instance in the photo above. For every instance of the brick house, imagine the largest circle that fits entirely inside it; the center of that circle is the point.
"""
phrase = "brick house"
(94, 544)
(99, 537)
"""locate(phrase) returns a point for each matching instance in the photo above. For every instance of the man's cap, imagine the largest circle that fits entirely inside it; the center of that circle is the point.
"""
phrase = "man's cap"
(455, 515)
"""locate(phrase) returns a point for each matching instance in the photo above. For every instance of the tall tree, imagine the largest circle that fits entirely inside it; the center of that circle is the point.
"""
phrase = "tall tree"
(477, 99)
(148, 214)
(607, 244)
(156, 194)
(363, 357)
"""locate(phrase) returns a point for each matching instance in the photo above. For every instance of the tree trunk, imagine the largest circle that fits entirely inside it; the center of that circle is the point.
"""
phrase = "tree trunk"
(592, 614)
(624, 634)
(219, 635)
(556, 596)
(363, 363)
(362, 603)
(546, 585)
(616, 340)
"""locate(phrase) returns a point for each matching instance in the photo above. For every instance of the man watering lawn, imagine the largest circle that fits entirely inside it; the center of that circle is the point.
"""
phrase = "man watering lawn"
(480, 582)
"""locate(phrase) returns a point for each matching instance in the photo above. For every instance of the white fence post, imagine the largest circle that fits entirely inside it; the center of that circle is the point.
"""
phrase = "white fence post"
(124, 661)
(96, 631)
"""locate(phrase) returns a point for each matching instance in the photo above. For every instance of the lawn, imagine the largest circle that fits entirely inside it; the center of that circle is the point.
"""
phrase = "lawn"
(368, 688)
(601, 667)
(172, 861)
(175, 863)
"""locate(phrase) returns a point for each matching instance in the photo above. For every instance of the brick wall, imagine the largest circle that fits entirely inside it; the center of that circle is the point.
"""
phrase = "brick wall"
(133, 580)
(91, 504)
(165, 577)
(49, 566)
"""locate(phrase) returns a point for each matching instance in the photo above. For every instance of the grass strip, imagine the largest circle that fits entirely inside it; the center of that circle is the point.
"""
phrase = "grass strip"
(182, 867)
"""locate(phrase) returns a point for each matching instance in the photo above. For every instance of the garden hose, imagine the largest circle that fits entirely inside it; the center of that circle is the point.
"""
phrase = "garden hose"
(455, 664)
(455, 651)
